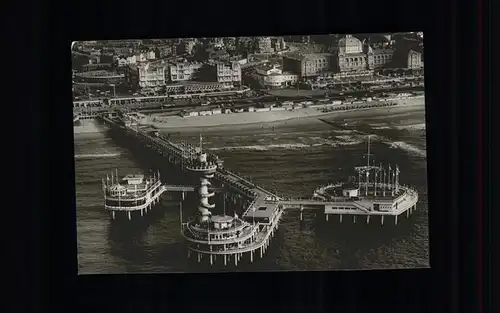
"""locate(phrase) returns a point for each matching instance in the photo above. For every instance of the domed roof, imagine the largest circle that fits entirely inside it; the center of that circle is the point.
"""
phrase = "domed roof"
(350, 44)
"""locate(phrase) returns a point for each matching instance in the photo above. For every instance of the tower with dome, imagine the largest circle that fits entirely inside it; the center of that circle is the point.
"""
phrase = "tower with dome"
(356, 55)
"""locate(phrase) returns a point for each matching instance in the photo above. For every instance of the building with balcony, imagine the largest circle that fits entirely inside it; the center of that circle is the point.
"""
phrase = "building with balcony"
(228, 73)
(182, 71)
(146, 75)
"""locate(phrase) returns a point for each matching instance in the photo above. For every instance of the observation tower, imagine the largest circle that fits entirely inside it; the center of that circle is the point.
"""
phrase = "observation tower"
(224, 236)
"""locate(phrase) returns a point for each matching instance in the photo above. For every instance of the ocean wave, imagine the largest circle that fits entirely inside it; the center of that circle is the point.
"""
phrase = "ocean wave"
(344, 131)
(381, 127)
(407, 147)
(96, 155)
(316, 142)
(420, 126)
(349, 139)
(263, 147)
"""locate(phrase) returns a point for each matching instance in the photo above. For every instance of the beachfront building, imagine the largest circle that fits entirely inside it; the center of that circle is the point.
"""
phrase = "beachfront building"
(272, 76)
(307, 65)
(148, 74)
(354, 55)
(228, 73)
(183, 71)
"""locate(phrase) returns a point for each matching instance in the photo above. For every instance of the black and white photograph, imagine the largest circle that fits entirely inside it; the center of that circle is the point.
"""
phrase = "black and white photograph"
(250, 154)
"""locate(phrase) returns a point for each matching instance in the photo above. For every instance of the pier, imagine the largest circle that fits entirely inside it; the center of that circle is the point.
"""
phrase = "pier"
(230, 238)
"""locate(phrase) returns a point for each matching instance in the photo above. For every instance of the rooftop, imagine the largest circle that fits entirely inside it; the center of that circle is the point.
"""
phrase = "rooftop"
(99, 73)
(222, 219)
(382, 50)
(264, 210)
(310, 56)
(133, 176)
(267, 67)
(191, 83)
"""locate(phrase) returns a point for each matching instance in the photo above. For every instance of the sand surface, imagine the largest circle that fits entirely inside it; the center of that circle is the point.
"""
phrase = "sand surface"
(258, 119)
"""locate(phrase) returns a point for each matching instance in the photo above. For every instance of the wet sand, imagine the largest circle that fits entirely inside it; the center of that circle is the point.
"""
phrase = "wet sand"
(257, 120)
(88, 127)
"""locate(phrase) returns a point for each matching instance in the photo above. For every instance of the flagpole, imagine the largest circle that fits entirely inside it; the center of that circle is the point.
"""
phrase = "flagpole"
(394, 179)
(384, 184)
(359, 180)
(104, 191)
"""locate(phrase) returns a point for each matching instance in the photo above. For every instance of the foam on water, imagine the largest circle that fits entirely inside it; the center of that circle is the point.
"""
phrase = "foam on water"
(96, 155)
(263, 147)
(420, 126)
(407, 147)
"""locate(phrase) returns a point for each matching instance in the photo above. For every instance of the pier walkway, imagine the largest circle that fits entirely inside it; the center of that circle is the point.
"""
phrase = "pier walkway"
(265, 204)
(265, 210)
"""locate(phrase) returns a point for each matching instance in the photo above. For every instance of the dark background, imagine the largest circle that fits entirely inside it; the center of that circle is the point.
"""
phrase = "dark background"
(47, 267)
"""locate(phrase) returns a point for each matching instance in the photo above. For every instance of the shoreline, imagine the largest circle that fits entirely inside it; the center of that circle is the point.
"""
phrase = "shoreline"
(256, 120)
(90, 127)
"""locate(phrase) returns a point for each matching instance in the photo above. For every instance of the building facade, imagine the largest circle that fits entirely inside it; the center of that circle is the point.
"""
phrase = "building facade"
(409, 53)
(228, 73)
(264, 45)
(280, 44)
(273, 77)
(147, 75)
(354, 55)
(230, 43)
(414, 60)
(123, 62)
(183, 71)
(307, 65)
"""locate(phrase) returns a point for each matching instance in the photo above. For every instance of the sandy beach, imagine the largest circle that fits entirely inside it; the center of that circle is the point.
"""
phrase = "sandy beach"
(222, 122)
